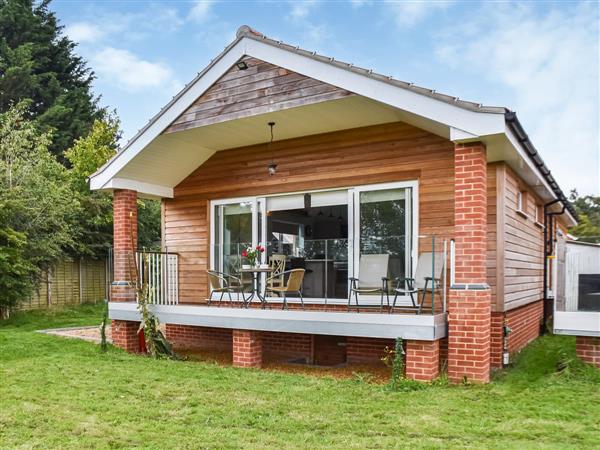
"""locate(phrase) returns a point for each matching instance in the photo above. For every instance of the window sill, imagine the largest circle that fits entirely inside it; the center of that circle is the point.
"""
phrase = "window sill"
(539, 225)
(522, 214)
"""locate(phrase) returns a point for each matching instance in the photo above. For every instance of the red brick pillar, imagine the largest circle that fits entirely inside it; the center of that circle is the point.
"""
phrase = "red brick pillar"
(124, 244)
(469, 300)
(125, 335)
(422, 360)
(588, 349)
(247, 348)
(125, 224)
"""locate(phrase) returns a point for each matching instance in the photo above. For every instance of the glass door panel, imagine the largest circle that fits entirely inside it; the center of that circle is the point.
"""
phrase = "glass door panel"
(383, 227)
(233, 232)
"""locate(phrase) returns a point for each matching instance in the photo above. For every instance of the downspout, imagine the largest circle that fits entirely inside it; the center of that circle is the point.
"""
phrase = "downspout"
(548, 250)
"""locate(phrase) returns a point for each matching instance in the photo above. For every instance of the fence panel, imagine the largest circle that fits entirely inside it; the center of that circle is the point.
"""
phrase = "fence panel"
(69, 283)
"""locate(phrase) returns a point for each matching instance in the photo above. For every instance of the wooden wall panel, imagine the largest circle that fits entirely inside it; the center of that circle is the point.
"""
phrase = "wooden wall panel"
(492, 235)
(377, 154)
(260, 89)
(523, 246)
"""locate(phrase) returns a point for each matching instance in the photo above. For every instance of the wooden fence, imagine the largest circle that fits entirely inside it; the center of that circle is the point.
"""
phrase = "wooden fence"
(70, 283)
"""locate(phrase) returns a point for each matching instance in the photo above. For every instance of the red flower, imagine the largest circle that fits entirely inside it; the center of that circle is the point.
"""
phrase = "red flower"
(244, 253)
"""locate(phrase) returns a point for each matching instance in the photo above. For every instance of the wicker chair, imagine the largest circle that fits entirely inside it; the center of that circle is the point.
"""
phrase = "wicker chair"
(293, 285)
(277, 265)
(224, 284)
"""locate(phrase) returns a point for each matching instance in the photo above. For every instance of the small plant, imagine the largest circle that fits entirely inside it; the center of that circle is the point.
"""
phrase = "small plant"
(103, 343)
(395, 359)
(362, 377)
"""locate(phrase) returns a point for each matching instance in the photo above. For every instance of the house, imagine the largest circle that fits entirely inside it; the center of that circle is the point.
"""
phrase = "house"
(342, 173)
(577, 297)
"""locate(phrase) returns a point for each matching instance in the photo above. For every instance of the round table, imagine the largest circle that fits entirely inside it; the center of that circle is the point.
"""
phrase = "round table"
(256, 272)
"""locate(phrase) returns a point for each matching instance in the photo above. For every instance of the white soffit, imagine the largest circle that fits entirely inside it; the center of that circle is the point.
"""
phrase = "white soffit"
(171, 157)
(430, 112)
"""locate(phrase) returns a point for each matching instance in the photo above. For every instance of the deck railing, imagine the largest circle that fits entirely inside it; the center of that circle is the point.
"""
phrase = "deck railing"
(159, 270)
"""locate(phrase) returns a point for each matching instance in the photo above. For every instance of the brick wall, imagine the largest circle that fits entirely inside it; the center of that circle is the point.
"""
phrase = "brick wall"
(125, 229)
(247, 348)
(366, 350)
(469, 307)
(524, 322)
(287, 345)
(588, 349)
(191, 337)
(422, 360)
(125, 335)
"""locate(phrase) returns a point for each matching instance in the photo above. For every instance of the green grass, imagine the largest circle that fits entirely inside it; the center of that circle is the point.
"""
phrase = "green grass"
(62, 393)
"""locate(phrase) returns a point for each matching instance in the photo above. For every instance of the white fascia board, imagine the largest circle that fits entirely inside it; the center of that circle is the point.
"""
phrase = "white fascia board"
(152, 190)
(476, 123)
(525, 157)
(419, 327)
(100, 179)
(457, 135)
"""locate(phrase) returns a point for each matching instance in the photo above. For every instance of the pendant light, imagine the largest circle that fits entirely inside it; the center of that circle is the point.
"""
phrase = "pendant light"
(272, 167)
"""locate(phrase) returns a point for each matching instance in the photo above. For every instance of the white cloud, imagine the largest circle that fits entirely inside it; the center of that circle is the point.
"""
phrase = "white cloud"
(84, 32)
(302, 9)
(200, 12)
(550, 62)
(408, 13)
(131, 73)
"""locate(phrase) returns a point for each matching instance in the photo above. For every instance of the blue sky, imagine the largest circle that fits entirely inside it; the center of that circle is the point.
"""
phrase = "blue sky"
(538, 58)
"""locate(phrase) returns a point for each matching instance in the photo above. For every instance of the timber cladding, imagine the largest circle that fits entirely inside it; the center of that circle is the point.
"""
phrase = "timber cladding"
(520, 243)
(260, 89)
(376, 154)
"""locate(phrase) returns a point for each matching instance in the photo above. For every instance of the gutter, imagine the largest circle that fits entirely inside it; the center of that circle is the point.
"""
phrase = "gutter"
(515, 126)
(548, 303)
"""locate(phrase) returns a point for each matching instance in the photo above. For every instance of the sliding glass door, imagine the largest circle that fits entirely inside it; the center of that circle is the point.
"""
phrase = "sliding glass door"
(383, 223)
(325, 232)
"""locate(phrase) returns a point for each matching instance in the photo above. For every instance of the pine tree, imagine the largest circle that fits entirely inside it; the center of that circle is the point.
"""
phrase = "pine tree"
(38, 64)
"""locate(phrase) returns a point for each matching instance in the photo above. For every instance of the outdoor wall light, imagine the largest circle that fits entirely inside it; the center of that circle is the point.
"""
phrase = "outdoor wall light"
(241, 65)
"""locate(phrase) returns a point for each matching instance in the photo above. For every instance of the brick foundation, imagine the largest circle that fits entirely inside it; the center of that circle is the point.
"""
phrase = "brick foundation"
(247, 348)
(287, 345)
(366, 350)
(525, 324)
(188, 337)
(469, 335)
(125, 335)
(422, 360)
(588, 349)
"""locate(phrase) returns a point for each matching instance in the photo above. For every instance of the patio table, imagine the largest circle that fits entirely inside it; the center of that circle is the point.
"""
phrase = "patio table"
(256, 288)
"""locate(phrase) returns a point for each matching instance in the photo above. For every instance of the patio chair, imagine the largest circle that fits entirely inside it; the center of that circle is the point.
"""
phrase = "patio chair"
(372, 279)
(424, 281)
(277, 265)
(224, 284)
(293, 285)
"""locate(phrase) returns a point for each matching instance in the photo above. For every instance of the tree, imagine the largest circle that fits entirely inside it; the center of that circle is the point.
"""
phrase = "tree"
(37, 62)
(36, 203)
(94, 225)
(588, 208)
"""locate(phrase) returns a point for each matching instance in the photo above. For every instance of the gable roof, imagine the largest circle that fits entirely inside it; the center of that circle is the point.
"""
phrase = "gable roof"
(465, 120)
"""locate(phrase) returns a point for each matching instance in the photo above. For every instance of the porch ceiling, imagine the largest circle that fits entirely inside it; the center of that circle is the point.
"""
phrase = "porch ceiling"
(171, 157)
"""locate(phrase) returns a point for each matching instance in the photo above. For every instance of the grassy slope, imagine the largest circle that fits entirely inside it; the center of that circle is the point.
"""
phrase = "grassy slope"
(56, 392)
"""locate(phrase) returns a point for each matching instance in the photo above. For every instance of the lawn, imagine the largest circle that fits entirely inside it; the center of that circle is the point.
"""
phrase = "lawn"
(62, 393)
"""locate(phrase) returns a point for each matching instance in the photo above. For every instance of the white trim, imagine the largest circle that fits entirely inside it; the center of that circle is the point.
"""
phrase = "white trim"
(477, 123)
(390, 326)
(154, 190)
(167, 116)
(474, 123)
(577, 323)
